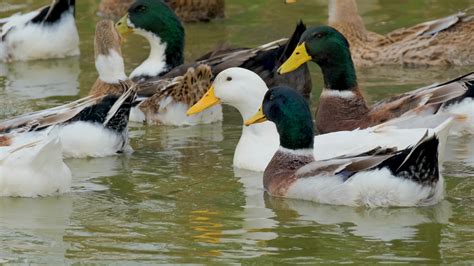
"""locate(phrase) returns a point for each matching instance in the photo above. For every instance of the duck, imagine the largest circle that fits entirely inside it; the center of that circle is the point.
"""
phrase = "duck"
(342, 105)
(388, 177)
(162, 101)
(188, 11)
(31, 164)
(88, 127)
(245, 90)
(109, 61)
(440, 42)
(48, 32)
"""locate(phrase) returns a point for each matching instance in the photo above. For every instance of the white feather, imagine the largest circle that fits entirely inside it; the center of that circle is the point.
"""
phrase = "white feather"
(174, 114)
(111, 67)
(156, 61)
(376, 188)
(83, 139)
(33, 166)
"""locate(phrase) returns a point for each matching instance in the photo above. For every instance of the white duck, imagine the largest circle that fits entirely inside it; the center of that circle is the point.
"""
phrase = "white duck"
(31, 164)
(49, 32)
(244, 90)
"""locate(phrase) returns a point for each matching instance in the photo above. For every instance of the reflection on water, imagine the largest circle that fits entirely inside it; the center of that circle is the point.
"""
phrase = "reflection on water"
(41, 79)
(35, 228)
(177, 198)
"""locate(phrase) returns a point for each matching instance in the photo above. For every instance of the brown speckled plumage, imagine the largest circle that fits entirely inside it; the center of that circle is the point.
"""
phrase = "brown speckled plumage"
(187, 89)
(446, 41)
(187, 10)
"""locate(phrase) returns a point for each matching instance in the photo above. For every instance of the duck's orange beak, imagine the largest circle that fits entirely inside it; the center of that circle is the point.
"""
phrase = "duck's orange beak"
(208, 100)
(259, 117)
(297, 58)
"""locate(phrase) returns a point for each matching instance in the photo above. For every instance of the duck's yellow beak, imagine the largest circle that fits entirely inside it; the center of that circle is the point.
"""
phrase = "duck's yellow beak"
(122, 26)
(259, 117)
(297, 58)
(290, 1)
(209, 99)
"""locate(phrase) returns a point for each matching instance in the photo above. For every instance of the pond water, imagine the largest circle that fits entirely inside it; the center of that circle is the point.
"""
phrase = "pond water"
(177, 198)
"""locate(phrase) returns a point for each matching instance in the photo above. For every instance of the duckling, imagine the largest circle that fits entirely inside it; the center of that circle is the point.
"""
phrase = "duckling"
(244, 90)
(31, 164)
(89, 127)
(408, 177)
(342, 106)
(156, 21)
(188, 11)
(444, 41)
(49, 32)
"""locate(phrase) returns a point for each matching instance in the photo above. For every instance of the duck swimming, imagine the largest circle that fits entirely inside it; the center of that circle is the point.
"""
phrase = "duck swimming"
(49, 32)
(342, 106)
(31, 164)
(245, 90)
(88, 127)
(444, 41)
(408, 177)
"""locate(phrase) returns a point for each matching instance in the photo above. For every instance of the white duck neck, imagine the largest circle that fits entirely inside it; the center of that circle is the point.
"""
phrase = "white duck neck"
(110, 67)
(155, 64)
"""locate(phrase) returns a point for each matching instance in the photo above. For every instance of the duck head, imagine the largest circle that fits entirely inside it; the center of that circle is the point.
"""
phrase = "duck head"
(290, 112)
(157, 22)
(237, 87)
(328, 48)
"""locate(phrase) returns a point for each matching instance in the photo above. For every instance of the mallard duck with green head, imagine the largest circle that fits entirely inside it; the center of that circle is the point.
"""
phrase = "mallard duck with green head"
(408, 177)
(342, 106)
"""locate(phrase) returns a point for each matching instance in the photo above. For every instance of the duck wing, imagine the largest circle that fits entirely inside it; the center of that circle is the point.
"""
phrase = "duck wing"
(188, 89)
(45, 118)
(430, 28)
(426, 99)
(418, 163)
(263, 60)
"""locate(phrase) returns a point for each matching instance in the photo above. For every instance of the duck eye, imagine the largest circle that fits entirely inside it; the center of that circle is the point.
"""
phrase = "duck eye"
(319, 35)
(140, 8)
(229, 79)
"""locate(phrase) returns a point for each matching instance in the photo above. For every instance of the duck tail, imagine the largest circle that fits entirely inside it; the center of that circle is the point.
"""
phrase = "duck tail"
(293, 41)
(300, 79)
(418, 163)
(53, 13)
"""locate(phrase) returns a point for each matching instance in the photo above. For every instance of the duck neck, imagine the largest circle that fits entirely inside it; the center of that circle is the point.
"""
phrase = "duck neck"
(338, 70)
(110, 67)
(296, 134)
(163, 56)
(345, 12)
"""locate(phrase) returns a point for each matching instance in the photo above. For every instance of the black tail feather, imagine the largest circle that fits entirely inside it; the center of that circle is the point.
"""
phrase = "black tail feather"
(98, 113)
(53, 13)
(419, 163)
